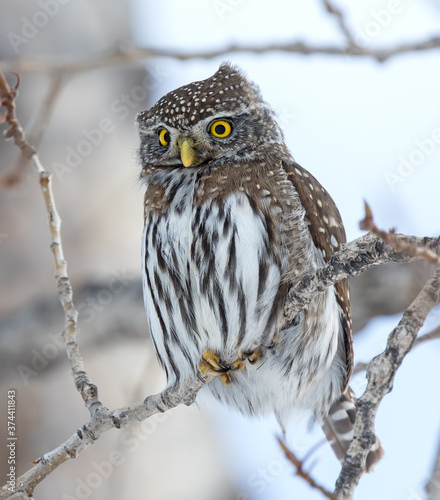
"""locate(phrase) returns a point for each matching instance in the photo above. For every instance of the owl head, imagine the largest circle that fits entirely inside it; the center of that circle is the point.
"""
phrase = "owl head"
(222, 118)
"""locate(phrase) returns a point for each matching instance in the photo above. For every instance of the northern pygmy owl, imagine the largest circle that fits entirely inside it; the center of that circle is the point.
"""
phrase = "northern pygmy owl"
(231, 222)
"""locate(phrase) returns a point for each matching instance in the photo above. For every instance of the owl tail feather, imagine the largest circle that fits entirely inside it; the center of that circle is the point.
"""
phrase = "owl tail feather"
(338, 427)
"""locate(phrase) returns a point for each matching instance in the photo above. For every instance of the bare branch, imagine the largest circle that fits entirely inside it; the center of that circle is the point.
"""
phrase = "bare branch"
(435, 334)
(340, 17)
(128, 54)
(353, 259)
(298, 464)
(102, 421)
(46, 107)
(382, 369)
(87, 390)
(397, 243)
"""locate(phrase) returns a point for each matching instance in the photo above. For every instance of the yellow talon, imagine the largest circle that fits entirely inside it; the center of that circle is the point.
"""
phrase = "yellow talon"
(254, 357)
(226, 378)
(211, 365)
(238, 365)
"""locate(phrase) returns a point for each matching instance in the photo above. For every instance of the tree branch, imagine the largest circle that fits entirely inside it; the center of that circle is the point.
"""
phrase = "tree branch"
(354, 258)
(102, 420)
(340, 17)
(380, 374)
(129, 54)
(382, 369)
(88, 391)
(14, 176)
(300, 472)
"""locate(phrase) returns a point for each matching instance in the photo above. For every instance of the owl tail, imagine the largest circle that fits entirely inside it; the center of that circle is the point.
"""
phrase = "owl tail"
(338, 427)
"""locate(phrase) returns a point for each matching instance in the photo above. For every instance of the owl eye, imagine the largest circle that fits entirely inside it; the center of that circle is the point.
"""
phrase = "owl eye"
(220, 128)
(164, 136)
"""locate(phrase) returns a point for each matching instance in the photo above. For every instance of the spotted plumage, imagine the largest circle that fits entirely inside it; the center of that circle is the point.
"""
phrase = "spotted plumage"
(231, 222)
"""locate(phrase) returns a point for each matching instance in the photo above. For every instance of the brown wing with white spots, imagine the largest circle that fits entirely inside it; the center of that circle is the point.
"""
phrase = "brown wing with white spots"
(328, 234)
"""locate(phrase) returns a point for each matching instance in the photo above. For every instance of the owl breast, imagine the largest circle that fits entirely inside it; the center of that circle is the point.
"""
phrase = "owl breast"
(215, 267)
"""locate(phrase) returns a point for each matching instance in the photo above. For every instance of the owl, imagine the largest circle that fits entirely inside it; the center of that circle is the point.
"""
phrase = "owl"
(231, 223)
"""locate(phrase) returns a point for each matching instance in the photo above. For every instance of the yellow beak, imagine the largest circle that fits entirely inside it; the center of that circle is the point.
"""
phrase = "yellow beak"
(188, 154)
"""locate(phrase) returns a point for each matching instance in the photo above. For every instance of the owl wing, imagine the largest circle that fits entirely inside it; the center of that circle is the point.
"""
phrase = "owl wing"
(328, 234)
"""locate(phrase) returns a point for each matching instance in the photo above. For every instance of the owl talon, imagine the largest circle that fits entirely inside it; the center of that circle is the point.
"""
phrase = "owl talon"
(211, 365)
(252, 356)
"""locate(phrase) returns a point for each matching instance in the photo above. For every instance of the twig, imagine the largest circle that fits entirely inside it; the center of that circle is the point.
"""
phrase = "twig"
(364, 252)
(397, 243)
(15, 175)
(382, 369)
(340, 17)
(87, 390)
(101, 422)
(435, 334)
(353, 259)
(128, 54)
(302, 473)
(360, 367)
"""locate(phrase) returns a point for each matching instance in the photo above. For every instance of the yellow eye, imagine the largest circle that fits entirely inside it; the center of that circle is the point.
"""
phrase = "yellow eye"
(164, 137)
(220, 128)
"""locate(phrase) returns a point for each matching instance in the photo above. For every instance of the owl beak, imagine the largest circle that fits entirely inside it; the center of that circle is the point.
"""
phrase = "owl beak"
(188, 154)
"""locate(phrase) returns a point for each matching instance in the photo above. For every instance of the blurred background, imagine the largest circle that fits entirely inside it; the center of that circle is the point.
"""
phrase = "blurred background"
(365, 129)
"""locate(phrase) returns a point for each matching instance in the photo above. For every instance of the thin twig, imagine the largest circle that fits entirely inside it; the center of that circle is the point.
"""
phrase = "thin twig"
(87, 390)
(382, 369)
(360, 367)
(101, 421)
(128, 54)
(340, 17)
(14, 176)
(302, 473)
(435, 334)
(353, 259)
(393, 240)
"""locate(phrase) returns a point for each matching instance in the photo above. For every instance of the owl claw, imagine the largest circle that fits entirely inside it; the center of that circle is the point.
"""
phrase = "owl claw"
(252, 356)
(211, 365)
